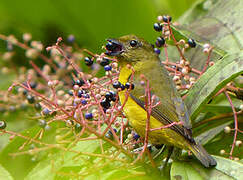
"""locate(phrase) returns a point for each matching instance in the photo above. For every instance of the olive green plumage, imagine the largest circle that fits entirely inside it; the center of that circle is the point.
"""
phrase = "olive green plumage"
(138, 53)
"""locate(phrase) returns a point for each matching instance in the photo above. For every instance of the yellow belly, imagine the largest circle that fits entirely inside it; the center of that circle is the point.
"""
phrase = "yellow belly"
(137, 117)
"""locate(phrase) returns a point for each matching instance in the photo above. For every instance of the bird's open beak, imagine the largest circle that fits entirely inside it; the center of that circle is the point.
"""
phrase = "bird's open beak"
(113, 47)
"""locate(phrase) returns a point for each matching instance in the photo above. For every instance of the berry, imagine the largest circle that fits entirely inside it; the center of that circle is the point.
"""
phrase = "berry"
(25, 92)
(78, 127)
(88, 61)
(84, 102)
(136, 136)
(109, 134)
(42, 123)
(37, 106)
(107, 68)
(80, 93)
(160, 41)
(109, 46)
(158, 27)
(128, 86)
(157, 51)
(192, 43)
(122, 87)
(167, 19)
(71, 38)
(85, 96)
(111, 96)
(88, 115)
(79, 82)
(70, 92)
(33, 85)
(105, 103)
(104, 62)
(30, 99)
(2, 125)
(46, 111)
(116, 85)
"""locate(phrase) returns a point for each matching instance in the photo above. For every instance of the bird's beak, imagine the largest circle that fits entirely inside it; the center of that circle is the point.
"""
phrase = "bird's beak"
(114, 47)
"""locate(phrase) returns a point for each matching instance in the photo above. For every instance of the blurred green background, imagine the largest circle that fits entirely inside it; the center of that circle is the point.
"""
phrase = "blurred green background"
(90, 21)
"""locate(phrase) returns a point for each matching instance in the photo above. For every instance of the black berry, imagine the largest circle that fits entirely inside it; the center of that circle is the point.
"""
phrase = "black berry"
(158, 27)
(88, 61)
(192, 43)
(37, 106)
(105, 103)
(116, 85)
(129, 85)
(104, 62)
(160, 41)
(30, 99)
(167, 19)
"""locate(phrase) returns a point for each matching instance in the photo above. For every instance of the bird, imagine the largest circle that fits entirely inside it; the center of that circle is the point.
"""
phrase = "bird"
(132, 51)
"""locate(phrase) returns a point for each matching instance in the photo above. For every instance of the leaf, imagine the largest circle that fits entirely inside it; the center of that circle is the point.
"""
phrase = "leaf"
(215, 78)
(20, 165)
(217, 22)
(229, 167)
(4, 174)
(46, 169)
(185, 170)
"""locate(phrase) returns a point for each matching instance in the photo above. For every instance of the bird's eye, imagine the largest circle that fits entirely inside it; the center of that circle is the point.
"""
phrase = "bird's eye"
(133, 43)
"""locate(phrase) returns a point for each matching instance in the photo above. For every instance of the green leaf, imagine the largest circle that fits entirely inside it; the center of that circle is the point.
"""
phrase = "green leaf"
(4, 174)
(20, 165)
(46, 168)
(217, 22)
(185, 170)
(215, 78)
(229, 167)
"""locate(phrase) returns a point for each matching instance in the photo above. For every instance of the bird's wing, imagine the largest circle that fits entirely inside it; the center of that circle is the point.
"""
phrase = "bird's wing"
(171, 107)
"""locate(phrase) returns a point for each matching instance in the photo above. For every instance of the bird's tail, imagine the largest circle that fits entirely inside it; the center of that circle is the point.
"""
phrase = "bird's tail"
(203, 156)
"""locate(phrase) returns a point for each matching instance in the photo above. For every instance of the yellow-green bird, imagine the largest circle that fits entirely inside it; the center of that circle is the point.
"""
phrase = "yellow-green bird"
(140, 55)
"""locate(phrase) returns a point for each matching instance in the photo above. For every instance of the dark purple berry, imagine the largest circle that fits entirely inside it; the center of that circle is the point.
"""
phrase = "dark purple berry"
(136, 136)
(157, 51)
(85, 96)
(33, 85)
(46, 111)
(88, 61)
(71, 38)
(88, 115)
(122, 87)
(2, 125)
(83, 101)
(107, 68)
(37, 106)
(105, 103)
(167, 19)
(110, 46)
(129, 86)
(104, 62)
(79, 82)
(116, 85)
(160, 41)
(158, 27)
(30, 99)
(192, 43)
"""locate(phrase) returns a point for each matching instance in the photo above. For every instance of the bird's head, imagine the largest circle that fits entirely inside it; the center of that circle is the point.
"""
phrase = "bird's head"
(130, 49)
